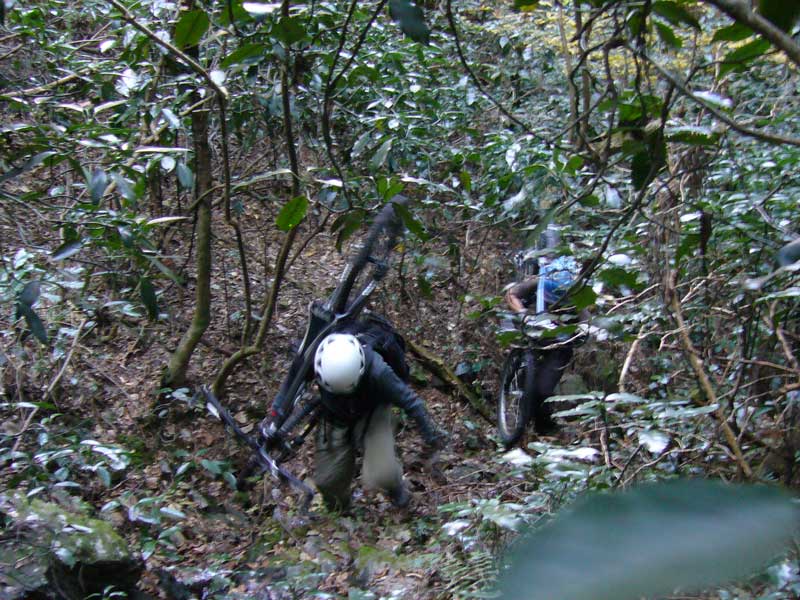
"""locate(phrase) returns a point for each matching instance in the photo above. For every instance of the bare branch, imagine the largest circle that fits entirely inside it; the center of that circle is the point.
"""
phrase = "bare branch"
(741, 12)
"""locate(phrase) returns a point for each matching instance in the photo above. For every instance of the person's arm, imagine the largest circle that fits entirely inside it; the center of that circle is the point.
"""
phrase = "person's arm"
(386, 384)
(518, 291)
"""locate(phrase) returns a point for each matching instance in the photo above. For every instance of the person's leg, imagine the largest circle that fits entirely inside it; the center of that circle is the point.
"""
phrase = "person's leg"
(550, 366)
(334, 460)
(382, 470)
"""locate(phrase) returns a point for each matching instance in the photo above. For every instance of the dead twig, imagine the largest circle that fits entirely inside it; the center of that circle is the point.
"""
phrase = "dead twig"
(702, 377)
(437, 366)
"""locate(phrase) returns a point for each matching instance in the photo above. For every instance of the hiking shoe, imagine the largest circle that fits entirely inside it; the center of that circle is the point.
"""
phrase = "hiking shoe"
(400, 497)
(546, 426)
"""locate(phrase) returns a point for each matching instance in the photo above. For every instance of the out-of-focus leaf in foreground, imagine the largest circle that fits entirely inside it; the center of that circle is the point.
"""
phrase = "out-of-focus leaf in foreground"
(650, 541)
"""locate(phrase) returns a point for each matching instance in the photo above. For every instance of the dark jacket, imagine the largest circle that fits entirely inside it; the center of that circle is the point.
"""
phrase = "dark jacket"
(378, 385)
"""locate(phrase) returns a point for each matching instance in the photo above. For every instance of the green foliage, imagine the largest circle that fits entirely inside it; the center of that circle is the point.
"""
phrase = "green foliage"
(411, 19)
(191, 28)
(292, 213)
(651, 541)
(739, 58)
(61, 461)
(783, 15)
(654, 189)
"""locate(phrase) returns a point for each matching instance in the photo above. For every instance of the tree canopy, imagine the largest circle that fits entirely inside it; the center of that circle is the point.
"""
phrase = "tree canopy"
(179, 180)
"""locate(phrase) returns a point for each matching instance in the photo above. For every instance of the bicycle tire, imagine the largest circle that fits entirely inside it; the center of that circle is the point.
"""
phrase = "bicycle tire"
(379, 241)
(514, 402)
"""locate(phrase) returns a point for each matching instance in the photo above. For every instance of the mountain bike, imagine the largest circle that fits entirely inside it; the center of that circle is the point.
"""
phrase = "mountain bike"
(517, 401)
(294, 411)
(547, 328)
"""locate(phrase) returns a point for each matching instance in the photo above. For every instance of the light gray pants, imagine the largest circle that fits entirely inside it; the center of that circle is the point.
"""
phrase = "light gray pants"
(335, 457)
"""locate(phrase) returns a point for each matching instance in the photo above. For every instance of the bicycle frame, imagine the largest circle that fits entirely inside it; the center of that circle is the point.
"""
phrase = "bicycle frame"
(532, 328)
(275, 444)
(321, 321)
(267, 461)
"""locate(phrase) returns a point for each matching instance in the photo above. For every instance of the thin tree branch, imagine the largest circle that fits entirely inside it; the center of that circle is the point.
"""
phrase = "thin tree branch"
(702, 377)
(460, 51)
(332, 82)
(741, 12)
(764, 136)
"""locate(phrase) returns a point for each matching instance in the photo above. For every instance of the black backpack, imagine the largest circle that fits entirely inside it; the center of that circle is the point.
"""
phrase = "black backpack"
(380, 335)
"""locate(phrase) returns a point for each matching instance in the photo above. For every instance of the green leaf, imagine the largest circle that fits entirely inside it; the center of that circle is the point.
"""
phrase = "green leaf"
(573, 164)
(292, 213)
(509, 336)
(164, 269)
(124, 186)
(347, 225)
(67, 249)
(466, 180)
(617, 276)
(394, 188)
(411, 19)
(738, 59)
(289, 30)
(212, 466)
(583, 298)
(675, 14)
(692, 134)
(414, 226)
(380, 156)
(361, 143)
(789, 253)
(781, 13)
(104, 476)
(97, 185)
(635, 22)
(647, 162)
(526, 5)
(668, 36)
(388, 187)
(34, 322)
(185, 176)
(148, 294)
(248, 54)
(424, 286)
(732, 33)
(649, 541)
(30, 293)
(27, 166)
(191, 28)
(171, 118)
(642, 170)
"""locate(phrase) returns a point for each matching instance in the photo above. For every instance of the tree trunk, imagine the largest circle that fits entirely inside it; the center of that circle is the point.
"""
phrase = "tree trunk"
(571, 88)
(179, 361)
(585, 93)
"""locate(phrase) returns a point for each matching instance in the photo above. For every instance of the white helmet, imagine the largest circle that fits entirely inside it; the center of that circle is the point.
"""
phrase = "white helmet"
(339, 363)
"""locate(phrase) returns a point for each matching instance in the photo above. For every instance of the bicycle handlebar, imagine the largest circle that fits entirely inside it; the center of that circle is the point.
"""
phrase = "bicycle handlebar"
(268, 463)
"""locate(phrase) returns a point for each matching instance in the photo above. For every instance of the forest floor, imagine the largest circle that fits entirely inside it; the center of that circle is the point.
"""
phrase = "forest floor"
(257, 543)
(374, 549)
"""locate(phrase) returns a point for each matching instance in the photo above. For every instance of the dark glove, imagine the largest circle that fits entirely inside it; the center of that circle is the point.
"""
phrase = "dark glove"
(434, 444)
(431, 454)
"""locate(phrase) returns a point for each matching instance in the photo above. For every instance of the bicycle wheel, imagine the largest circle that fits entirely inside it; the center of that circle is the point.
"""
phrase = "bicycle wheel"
(513, 406)
(363, 267)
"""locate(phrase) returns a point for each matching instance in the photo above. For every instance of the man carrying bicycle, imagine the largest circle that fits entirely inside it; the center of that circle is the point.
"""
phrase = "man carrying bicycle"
(358, 389)
(546, 279)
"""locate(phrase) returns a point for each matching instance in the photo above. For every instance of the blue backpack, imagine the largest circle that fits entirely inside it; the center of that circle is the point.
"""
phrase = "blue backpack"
(555, 278)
